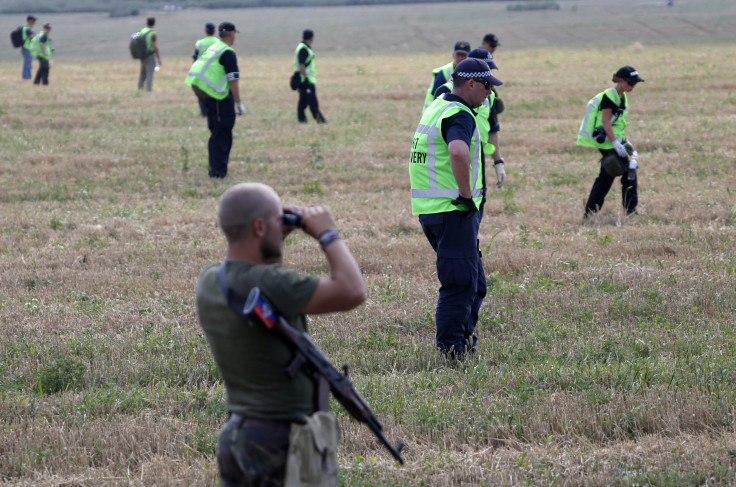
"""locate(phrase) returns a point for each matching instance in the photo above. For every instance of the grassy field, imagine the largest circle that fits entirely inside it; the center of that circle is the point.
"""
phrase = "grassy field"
(607, 351)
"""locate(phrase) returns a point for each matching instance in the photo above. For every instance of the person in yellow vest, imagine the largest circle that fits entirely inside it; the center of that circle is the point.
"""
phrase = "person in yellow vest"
(41, 49)
(304, 64)
(25, 50)
(214, 79)
(199, 48)
(488, 127)
(603, 128)
(152, 61)
(441, 75)
(446, 192)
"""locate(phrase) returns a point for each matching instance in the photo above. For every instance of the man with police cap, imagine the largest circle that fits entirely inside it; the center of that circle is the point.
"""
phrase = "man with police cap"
(214, 79)
(446, 192)
(442, 74)
(488, 126)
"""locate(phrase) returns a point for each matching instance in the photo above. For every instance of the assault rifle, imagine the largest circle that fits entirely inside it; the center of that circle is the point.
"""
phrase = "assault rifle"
(257, 307)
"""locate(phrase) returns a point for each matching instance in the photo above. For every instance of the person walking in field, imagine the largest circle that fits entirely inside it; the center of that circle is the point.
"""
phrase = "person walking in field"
(25, 49)
(41, 49)
(153, 59)
(441, 75)
(305, 65)
(446, 192)
(199, 48)
(214, 79)
(269, 411)
(603, 128)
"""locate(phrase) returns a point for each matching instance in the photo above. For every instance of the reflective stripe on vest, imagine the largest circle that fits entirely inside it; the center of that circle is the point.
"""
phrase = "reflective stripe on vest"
(592, 120)
(198, 73)
(430, 129)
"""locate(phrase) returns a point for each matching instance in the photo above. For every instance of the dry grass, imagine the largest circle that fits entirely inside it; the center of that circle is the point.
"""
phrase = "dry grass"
(607, 352)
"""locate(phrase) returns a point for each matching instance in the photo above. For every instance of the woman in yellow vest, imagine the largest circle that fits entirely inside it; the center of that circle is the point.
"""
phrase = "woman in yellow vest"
(603, 128)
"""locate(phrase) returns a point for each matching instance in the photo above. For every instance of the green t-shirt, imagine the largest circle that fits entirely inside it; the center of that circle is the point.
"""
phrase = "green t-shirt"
(250, 358)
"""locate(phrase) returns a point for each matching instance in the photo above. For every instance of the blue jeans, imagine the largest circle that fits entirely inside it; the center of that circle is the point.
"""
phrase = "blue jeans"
(462, 279)
(27, 61)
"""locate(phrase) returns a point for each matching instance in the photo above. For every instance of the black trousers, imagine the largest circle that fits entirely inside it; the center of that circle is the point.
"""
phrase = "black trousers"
(308, 98)
(220, 121)
(602, 185)
(42, 75)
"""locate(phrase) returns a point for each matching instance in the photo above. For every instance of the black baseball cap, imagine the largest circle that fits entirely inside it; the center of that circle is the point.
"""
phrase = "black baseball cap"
(483, 55)
(31, 17)
(209, 27)
(629, 74)
(475, 68)
(47, 26)
(462, 46)
(227, 27)
(492, 40)
(307, 34)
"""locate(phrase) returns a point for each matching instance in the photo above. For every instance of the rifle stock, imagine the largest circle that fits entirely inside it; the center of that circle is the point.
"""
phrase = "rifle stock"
(257, 306)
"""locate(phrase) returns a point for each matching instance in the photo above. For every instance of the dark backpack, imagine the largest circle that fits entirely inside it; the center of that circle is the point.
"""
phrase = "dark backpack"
(16, 37)
(139, 46)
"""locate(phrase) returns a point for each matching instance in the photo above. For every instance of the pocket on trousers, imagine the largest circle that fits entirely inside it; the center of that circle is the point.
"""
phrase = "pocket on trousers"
(312, 457)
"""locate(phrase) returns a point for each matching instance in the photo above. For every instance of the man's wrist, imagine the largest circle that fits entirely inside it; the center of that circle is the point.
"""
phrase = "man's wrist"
(327, 237)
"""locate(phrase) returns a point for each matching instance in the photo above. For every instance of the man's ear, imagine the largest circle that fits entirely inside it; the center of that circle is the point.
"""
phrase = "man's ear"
(259, 227)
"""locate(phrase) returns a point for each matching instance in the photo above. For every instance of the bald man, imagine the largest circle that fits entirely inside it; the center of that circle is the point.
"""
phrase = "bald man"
(262, 401)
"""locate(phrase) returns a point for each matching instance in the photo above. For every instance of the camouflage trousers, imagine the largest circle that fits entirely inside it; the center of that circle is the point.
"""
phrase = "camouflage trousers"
(253, 453)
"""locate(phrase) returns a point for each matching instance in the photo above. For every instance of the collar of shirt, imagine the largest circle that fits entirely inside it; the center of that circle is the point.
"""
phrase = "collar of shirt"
(455, 98)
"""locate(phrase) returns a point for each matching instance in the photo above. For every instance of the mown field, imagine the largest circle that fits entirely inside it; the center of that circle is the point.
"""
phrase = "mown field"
(607, 351)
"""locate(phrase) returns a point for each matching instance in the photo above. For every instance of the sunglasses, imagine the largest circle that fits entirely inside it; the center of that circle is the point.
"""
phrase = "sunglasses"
(486, 84)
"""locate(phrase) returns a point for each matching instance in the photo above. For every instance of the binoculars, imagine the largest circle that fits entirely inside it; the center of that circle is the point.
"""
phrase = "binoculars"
(292, 220)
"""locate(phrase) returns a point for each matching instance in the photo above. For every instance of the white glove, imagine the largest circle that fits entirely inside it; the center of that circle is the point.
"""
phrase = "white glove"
(500, 173)
(620, 149)
(241, 108)
(633, 164)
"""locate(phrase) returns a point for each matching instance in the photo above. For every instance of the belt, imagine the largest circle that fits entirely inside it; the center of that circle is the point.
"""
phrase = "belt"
(241, 421)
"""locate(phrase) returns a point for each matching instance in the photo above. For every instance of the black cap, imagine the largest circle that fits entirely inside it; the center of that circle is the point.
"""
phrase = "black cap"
(483, 55)
(475, 68)
(31, 17)
(462, 46)
(47, 26)
(226, 28)
(629, 74)
(209, 27)
(491, 40)
(307, 34)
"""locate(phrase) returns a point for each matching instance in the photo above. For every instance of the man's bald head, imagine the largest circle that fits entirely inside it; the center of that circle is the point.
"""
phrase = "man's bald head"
(243, 204)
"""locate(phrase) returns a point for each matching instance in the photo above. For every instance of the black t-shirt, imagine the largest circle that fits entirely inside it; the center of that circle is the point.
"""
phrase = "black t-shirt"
(606, 102)
(229, 61)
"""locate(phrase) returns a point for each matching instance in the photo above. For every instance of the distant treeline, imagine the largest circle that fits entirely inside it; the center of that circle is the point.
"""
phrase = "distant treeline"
(134, 7)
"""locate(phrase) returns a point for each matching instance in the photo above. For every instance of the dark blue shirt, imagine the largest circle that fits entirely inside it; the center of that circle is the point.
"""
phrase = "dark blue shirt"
(459, 126)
